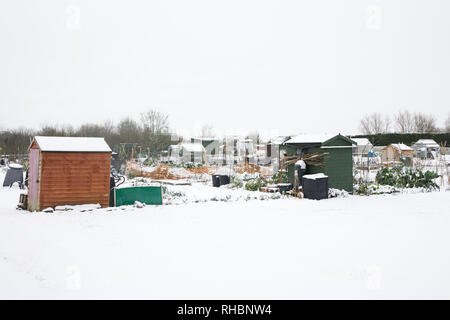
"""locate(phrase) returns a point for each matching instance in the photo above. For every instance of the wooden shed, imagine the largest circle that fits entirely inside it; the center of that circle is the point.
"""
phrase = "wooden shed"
(397, 154)
(68, 171)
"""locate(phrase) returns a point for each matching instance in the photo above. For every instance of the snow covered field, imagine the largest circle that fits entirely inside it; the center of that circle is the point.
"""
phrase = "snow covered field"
(391, 246)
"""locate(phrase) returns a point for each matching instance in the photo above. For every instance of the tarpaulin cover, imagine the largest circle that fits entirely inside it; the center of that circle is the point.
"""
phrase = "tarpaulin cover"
(145, 194)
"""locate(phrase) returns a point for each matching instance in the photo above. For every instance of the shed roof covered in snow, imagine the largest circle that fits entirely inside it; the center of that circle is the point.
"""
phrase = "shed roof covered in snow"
(193, 147)
(71, 144)
(427, 142)
(330, 140)
(310, 138)
(362, 141)
(278, 140)
(401, 147)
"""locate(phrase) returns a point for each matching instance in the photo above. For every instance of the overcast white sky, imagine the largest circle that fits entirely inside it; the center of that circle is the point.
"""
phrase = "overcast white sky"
(285, 66)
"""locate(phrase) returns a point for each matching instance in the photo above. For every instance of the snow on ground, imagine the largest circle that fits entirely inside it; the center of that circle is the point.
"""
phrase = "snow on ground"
(201, 193)
(387, 246)
(177, 192)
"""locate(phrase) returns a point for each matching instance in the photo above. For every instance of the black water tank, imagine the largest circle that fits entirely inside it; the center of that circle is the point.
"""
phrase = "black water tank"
(315, 187)
(224, 179)
(215, 180)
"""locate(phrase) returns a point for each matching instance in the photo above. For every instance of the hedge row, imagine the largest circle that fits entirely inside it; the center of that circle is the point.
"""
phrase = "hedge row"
(384, 139)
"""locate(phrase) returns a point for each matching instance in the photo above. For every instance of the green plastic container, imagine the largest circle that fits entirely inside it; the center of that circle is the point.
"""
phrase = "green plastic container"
(145, 194)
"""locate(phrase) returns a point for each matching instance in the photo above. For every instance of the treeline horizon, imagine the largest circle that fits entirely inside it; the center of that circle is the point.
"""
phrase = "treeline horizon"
(402, 122)
(151, 132)
(384, 139)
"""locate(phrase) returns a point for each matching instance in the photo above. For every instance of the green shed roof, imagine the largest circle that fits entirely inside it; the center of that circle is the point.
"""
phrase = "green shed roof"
(339, 140)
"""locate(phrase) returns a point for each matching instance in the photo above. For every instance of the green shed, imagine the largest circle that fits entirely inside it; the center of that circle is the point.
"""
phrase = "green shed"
(338, 164)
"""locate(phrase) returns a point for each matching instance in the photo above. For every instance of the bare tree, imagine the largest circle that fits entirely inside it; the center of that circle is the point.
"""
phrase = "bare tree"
(16, 141)
(155, 122)
(424, 123)
(387, 124)
(56, 130)
(106, 130)
(404, 122)
(129, 130)
(155, 130)
(90, 130)
(375, 123)
(447, 124)
(407, 122)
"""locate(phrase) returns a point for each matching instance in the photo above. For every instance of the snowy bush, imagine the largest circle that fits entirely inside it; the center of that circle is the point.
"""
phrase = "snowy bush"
(236, 182)
(276, 178)
(337, 193)
(174, 194)
(360, 188)
(255, 184)
(374, 188)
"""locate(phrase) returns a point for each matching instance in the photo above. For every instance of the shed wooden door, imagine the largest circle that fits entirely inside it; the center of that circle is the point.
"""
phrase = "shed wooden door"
(390, 154)
(33, 181)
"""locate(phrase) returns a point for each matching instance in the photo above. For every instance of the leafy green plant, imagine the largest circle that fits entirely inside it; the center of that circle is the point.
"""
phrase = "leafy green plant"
(407, 178)
(362, 189)
(149, 162)
(276, 178)
(255, 184)
(236, 182)
(131, 175)
(186, 165)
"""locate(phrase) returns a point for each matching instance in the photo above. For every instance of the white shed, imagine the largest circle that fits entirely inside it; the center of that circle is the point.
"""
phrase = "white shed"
(363, 146)
(426, 144)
